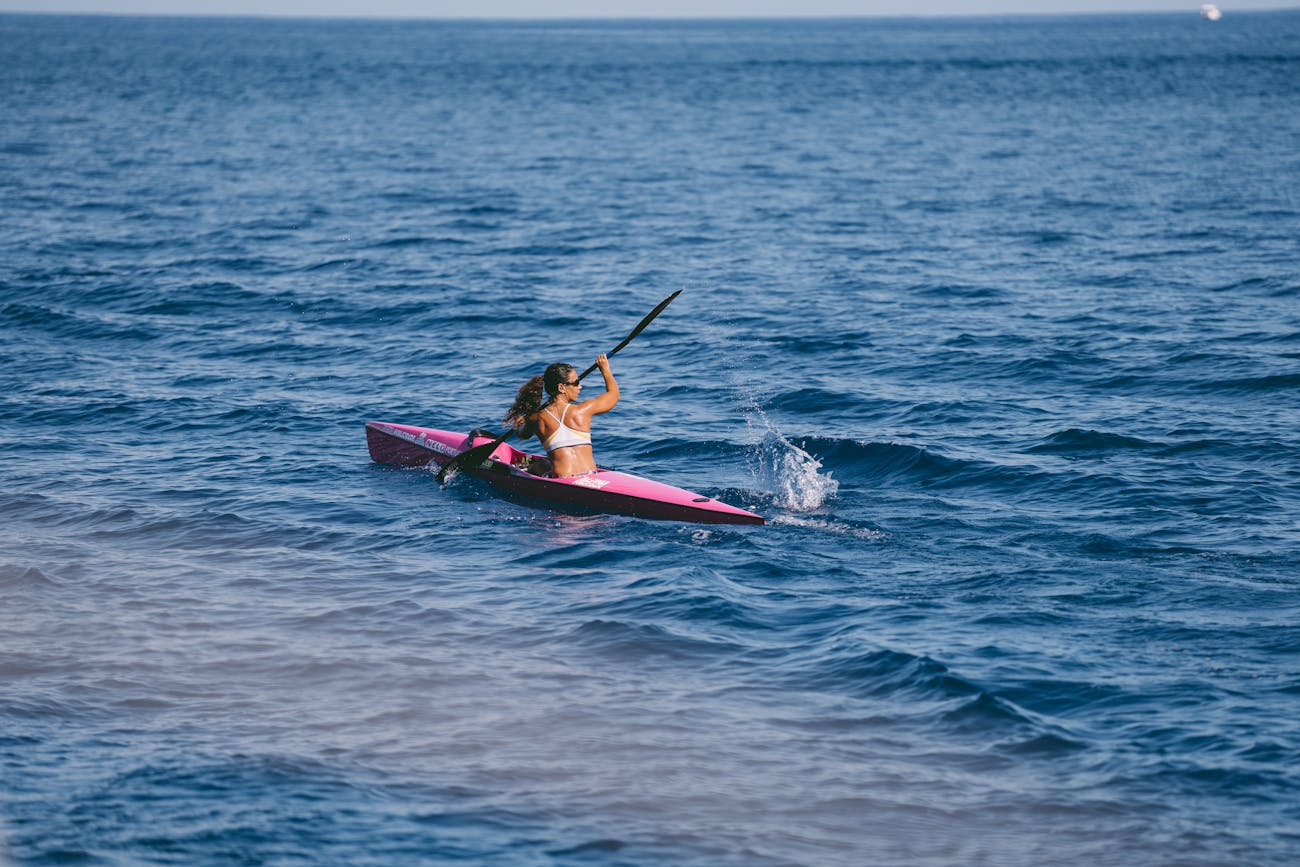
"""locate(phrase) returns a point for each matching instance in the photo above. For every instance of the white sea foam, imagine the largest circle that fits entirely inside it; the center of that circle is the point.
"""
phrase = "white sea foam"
(825, 526)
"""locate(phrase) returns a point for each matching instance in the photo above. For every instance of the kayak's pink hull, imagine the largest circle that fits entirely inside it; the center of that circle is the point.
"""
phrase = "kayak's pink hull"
(508, 469)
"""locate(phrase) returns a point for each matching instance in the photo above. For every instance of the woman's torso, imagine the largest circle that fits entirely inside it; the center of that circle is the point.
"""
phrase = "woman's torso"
(566, 434)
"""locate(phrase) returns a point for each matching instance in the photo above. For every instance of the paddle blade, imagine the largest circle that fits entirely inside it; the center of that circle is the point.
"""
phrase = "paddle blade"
(470, 458)
(650, 317)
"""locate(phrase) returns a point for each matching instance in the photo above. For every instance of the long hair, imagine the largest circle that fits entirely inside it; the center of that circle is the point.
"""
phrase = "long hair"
(528, 402)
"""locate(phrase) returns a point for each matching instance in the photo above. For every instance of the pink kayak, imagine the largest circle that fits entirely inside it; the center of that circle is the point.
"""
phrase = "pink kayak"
(525, 476)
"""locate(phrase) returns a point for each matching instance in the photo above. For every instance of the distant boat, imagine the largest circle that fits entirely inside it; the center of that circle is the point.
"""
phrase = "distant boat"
(1210, 12)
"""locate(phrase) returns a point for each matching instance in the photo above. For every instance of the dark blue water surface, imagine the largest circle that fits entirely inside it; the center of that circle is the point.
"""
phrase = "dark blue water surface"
(997, 322)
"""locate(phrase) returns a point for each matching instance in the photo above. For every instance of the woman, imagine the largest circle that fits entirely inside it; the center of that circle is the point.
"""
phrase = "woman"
(561, 422)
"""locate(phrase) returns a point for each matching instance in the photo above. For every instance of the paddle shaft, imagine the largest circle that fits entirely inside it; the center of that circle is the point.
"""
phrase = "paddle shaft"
(659, 308)
(476, 455)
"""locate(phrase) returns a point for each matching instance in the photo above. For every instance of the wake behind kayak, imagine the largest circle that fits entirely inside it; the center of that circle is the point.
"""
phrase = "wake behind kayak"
(524, 476)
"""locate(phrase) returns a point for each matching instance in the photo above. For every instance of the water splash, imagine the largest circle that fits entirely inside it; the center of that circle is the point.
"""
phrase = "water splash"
(791, 474)
(779, 466)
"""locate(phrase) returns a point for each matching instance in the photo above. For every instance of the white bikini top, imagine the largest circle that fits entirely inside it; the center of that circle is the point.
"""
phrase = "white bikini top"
(564, 435)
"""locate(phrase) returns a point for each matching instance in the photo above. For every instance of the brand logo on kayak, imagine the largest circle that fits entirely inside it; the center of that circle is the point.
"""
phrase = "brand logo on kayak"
(423, 440)
(437, 445)
(590, 482)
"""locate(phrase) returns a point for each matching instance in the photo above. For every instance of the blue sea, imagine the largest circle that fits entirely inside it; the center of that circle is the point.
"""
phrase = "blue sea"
(995, 320)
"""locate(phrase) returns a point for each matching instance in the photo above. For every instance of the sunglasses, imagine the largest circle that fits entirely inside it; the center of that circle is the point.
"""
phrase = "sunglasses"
(575, 382)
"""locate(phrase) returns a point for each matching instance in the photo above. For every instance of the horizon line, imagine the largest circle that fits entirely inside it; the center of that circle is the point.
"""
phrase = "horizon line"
(298, 16)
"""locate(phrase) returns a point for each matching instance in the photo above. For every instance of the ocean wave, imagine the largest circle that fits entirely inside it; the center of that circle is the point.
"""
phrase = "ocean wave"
(81, 324)
(640, 641)
(15, 577)
(652, 601)
(834, 527)
(876, 462)
(983, 714)
(819, 345)
(1254, 384)
(958, 291)
(1062, 697)
(1276, 287)
(55, 707)
(884, 674)
(417, 241)
(812, 401)
(1082, 484)
(1082, 442)
(200, 299)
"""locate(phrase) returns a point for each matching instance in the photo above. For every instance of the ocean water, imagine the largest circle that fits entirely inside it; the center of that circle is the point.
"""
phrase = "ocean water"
(997, 321)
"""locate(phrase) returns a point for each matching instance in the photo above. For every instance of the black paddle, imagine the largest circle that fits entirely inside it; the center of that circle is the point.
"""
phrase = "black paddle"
(475, 456)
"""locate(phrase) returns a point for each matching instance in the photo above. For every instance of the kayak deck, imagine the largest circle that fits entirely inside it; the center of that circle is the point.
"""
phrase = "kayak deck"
(526, 476)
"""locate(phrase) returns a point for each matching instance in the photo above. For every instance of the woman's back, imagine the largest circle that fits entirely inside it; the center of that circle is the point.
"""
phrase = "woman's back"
(563, 423)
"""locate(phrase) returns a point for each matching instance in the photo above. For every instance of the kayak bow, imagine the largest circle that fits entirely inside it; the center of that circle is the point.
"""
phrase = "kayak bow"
(524, 476)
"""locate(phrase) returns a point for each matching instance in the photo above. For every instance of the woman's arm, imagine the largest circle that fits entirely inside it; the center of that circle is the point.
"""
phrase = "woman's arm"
(609, 399)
